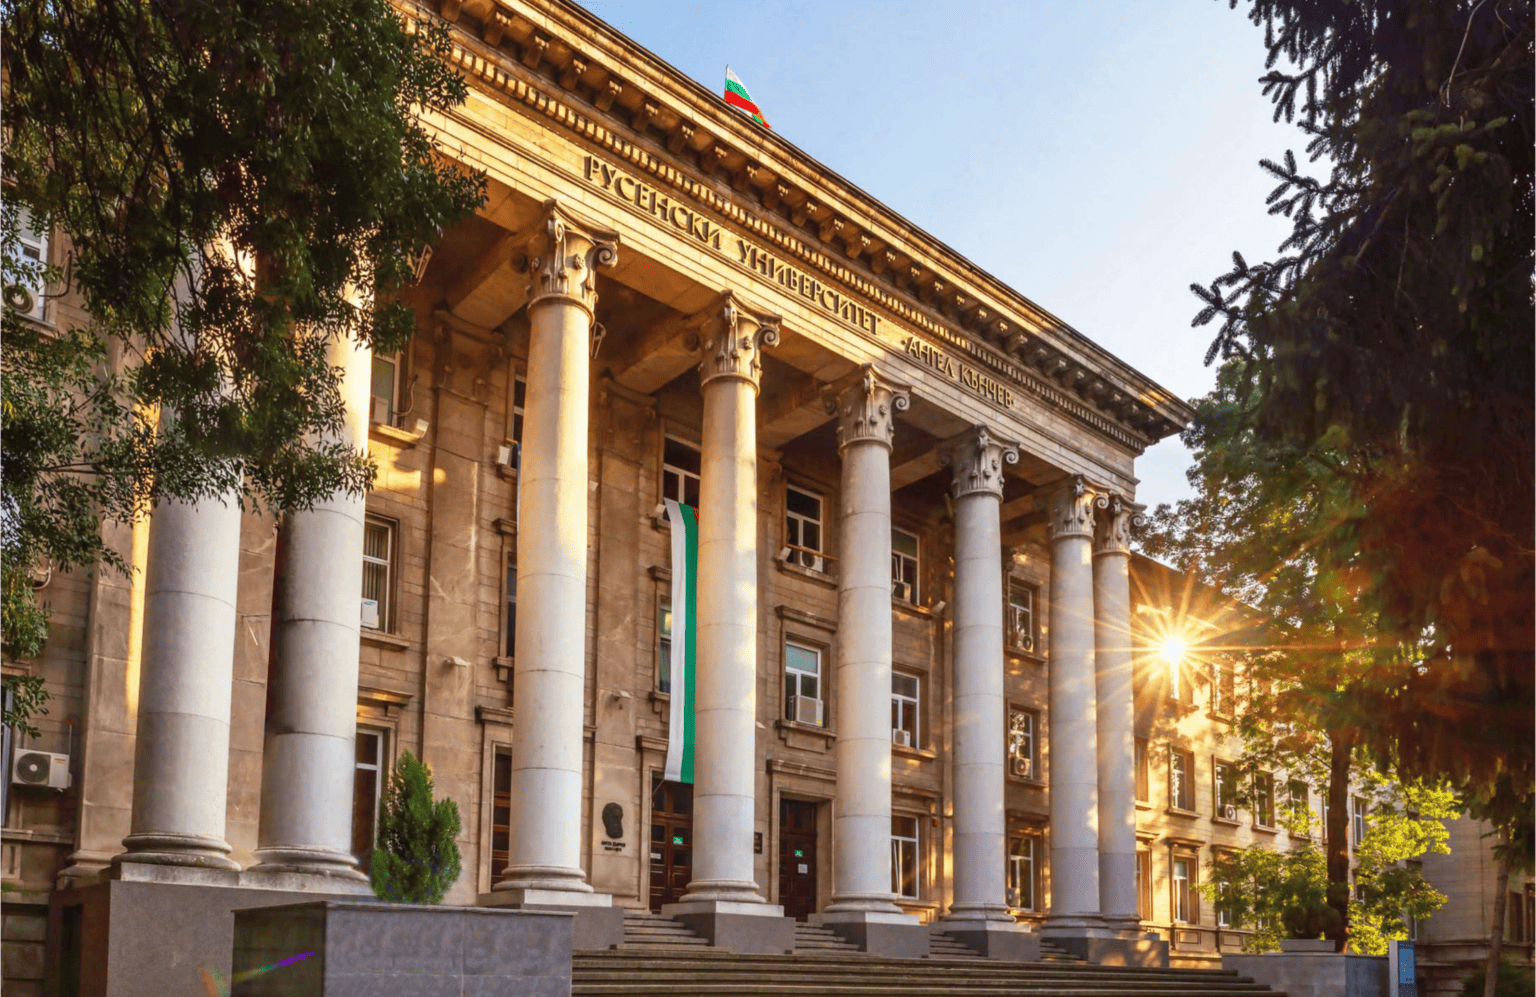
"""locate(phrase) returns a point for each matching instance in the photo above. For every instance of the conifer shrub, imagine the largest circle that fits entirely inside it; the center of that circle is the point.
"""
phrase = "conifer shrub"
(415, 860)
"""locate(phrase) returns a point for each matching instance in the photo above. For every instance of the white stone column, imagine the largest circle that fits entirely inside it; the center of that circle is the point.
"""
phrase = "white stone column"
(304, 839)
(979, 739)
(549, 682)
(1074, 716)
(861, 810)
(181, 755)
(725, 714)
(1116, 726)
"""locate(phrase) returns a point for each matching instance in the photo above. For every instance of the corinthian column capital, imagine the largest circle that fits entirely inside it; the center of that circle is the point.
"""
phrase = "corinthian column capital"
(1118, 517)
(866, 409)
(976, 461)
(1072, 509)
(733, 337)
(563, 257)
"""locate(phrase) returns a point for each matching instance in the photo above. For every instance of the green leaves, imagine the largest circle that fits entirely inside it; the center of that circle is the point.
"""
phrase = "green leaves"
(416, 860)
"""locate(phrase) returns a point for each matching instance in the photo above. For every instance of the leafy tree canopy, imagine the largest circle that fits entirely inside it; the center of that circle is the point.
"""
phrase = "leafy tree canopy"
(1382, 367)
(234, 184)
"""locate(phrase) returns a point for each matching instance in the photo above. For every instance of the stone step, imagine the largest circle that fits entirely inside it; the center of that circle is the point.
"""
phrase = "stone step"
(789, 986)
(917, 971)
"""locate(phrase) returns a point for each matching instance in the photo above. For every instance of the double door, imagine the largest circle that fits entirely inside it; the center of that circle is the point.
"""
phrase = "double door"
(797, 858)
(671, 841)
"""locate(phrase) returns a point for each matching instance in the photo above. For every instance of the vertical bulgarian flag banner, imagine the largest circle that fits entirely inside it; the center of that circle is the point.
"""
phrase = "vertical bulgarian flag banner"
(736, 95)
(685, 640)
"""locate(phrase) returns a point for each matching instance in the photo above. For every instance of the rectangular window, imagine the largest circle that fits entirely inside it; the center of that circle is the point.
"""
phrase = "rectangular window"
(1023, 743)
(1300, 807)
(664, 643)
(802, 528)
(904, 856)
(510, 644)
(385, 390)
(1223, 688)
(367, 784)
(34, 249)
(519, 400)
(1144, 883)
(905, 703)
(378, 559)
(1325, 816)
(1023, 873)
(1264, 799)
(1021, 615)
(680, 464)
(1143, 773)
(1357, 812)
(802, 684)
(1184, 911)
(904, 566)
(1181, 783)
(1226, 790)
(501, 813)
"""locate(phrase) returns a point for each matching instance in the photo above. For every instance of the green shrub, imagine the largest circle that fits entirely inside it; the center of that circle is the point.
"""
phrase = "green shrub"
(416, 860)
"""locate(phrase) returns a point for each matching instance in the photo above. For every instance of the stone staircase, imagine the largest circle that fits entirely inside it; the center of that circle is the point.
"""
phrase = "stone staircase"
(662, 958)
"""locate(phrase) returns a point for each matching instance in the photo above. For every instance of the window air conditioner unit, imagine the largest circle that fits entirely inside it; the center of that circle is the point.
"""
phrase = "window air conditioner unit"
(902, 591)
(22, 298)
(1024, 768)
(40, 768)
(805, 710)
(1229, 811)
(506, 456)
(371, 613)
(380, 412)
(901, 737)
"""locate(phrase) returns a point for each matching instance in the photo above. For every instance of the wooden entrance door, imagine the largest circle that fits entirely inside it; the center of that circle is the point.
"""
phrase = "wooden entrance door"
(797, 858)
(671, 841)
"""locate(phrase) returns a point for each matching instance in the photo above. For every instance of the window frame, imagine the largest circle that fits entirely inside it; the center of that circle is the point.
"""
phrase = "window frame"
(39, 241)
(905, 705)
(1031, 862)
(816, 555)
(897, 852)
(1142, 752)
(1144, 882)
(1223, 689)
(498, 752)
(509, 607)
(898, 567)
(389, 562)
(820, 652)
(663, 679)
(1306, 805)
(1357, 820)
(1186, 780)
(1030, 641)
(516, 412)
(684, 475)
(381, 768)
(1030, 739)
(396, 360)
(1223, 791)
(1264, 800)
(1191, 893)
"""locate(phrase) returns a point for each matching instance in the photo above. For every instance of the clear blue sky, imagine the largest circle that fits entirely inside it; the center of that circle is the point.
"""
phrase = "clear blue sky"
(1096, 155)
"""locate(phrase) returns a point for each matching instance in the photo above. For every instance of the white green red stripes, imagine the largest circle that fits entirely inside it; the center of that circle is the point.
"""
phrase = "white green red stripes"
(736, 95)
(685, 641)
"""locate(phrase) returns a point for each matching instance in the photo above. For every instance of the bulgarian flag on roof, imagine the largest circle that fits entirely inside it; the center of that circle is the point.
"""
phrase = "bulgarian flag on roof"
(736, 95)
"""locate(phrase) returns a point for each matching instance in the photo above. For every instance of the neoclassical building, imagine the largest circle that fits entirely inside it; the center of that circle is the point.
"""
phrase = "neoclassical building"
(918, 705)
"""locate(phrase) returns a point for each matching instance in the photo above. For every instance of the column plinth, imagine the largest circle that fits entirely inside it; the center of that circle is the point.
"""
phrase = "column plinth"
(979, 714)
(1074, 715)
(1116, 716)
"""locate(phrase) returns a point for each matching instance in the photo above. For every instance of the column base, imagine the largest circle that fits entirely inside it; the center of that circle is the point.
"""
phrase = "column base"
(895, 936)
(598, 923)
(747, 928)
(307, 877)
(1008, 940)
(192, 851)
(141, 868)
(1106, 941)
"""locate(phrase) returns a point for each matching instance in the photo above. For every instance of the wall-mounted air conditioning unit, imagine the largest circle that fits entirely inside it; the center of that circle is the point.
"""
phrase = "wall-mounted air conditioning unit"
(1024, 768)
(40, 768)
(371, 614)
(805, 710)
(901, 737)
(1229, 811)
(506, 457)
(380, 412)
(902, 591)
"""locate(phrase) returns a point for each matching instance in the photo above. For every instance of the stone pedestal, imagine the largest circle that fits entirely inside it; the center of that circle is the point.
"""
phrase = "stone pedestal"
(894, 936)
(596, 923)
(396, 950)
(1310, 973)
(1005, 940)
(746, 928)
(1114, 946)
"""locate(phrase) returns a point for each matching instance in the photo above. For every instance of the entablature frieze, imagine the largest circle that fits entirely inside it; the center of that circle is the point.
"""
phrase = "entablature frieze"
(542, 56)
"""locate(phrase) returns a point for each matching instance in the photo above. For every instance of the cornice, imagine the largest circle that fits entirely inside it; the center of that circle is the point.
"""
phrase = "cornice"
(755, 180)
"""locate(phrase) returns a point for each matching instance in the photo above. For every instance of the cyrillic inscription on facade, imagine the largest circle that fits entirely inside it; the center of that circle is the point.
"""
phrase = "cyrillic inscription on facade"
(982, 384)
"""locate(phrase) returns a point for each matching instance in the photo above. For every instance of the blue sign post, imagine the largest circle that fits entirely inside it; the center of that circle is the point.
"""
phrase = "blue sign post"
(1402, 980)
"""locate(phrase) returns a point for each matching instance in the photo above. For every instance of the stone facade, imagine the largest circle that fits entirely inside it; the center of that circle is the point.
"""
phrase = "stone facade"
(660, 300)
